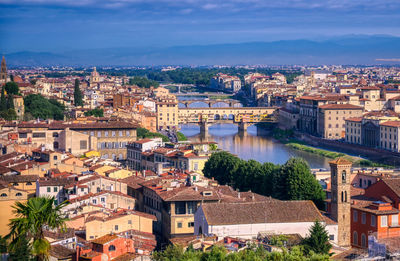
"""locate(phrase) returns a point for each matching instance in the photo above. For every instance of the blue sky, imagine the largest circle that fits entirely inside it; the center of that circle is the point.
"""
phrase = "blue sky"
(64, 25)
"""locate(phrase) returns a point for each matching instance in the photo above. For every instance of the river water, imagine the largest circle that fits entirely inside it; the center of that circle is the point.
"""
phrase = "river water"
(253, 144)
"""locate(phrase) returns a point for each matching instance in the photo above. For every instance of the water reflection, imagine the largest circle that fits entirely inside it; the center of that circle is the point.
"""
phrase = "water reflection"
(252, 144)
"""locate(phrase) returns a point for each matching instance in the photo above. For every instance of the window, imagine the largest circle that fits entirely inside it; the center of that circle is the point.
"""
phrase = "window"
(363, 218)
(39, 135)
(94, 201)
(116, 227)
(29, 183)
(55, 157)
(83, 144)
(355, 216)
(106, 134)
(373, 220)
(92, 133)
(395, 220)
(383, 221)
(179, 224)
(55, 134)
(3, 195)
(196, 166)
(48, 189)
(331, 237)
(113, 133)
(355, 238)
(191, 224)
(99, 134)
(103, 200)
(111, 248)
(363, 240)
(23, 135)
(191, 206)
(55, 189)
(120, 133)
(180, 208)
(128, 133)
(343, 176)
(18, 194)
(129, 222)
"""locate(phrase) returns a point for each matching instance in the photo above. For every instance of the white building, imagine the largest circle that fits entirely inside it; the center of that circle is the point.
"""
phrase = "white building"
(135, 149)
(246, 220)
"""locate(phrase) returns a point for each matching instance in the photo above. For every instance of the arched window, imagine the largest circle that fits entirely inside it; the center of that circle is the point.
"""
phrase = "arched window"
(28, 183)
(111, 248)
(3, 195)
(342, 196)
(200, 230)
(18, 194)
(343, 176)
(55, 134)
(363, 240)
(355, 238)
(345, 196)
(55, 145)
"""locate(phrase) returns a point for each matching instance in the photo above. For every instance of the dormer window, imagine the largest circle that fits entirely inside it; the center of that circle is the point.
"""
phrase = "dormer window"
(207, 193)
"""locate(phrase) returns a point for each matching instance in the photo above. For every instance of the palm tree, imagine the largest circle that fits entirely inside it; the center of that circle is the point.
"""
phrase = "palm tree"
(32, 217)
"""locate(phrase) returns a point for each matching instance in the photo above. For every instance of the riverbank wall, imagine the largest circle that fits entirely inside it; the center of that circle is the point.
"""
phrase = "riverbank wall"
(373, 154)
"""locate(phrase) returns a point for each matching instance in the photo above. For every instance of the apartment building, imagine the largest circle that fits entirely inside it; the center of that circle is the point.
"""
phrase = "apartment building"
(389, 135)
(136, 148)
(109, 138)
(331, 119)
(353, 130)
(167, 113)
(226, 83)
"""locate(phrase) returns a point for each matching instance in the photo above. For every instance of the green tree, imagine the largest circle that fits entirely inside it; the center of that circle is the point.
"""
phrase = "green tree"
(31, 219)
(145, 133)
(42, 108)
(318, 240)
(21, 251)
(181, 136)
(97, 112)
(8, 115)
(77, 94)
(10, 101)
(222, 166)
(12, 88)
(3, 101)
(296, 182)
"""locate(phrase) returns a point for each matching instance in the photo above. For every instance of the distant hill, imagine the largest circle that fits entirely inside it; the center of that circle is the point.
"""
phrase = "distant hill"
(351, 49)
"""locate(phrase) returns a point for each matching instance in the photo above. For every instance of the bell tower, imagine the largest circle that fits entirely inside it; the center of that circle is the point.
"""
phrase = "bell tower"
(340, 199)
(3, 71)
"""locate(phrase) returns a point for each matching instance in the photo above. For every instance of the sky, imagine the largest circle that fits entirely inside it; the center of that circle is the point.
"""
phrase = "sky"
(65, 25)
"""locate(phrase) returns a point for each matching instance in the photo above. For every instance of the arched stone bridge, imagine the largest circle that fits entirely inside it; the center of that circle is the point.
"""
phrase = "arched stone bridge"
(243, 116)
(211, 103)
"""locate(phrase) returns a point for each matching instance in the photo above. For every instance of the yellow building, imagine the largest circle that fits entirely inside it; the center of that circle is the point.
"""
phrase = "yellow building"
(118, 222)
(8, 197)
(26, 183)
(119, 173)
(167, 113)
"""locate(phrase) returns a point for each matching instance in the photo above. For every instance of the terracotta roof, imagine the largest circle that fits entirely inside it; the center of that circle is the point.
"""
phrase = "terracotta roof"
(261, 212)
(340, 107)
(393, 184)
(340, 161)
(61, 252)
(354, 119)
(391, 124)
(19, 178)
(104, 239)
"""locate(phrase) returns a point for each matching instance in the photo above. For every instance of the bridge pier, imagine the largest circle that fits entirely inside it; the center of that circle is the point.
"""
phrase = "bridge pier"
(243, 126)
(204, 128)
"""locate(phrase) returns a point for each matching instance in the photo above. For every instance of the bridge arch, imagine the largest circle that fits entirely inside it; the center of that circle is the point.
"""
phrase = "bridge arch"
(220, 104)
(231, 116)
(198, 104)
(181, 105)
(217, 117)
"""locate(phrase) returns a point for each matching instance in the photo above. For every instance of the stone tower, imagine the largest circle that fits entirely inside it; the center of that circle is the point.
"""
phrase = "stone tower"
(3, 71)
(340, 206)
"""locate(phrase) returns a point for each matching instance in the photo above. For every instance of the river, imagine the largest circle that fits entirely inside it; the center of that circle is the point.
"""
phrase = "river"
(252, 144)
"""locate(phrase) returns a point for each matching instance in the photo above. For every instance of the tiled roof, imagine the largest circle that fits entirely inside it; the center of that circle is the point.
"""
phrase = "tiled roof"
(104, 239)
(391, 124)
(340, 161)
(261, 212)
(393, 184)
(19, 178)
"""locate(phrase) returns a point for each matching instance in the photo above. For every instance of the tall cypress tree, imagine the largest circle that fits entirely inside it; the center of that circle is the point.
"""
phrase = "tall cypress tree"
(3, 101)
(10, 101)
(77, 94)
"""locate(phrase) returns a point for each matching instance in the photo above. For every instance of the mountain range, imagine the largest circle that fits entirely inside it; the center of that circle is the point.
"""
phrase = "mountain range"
(352, 49)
